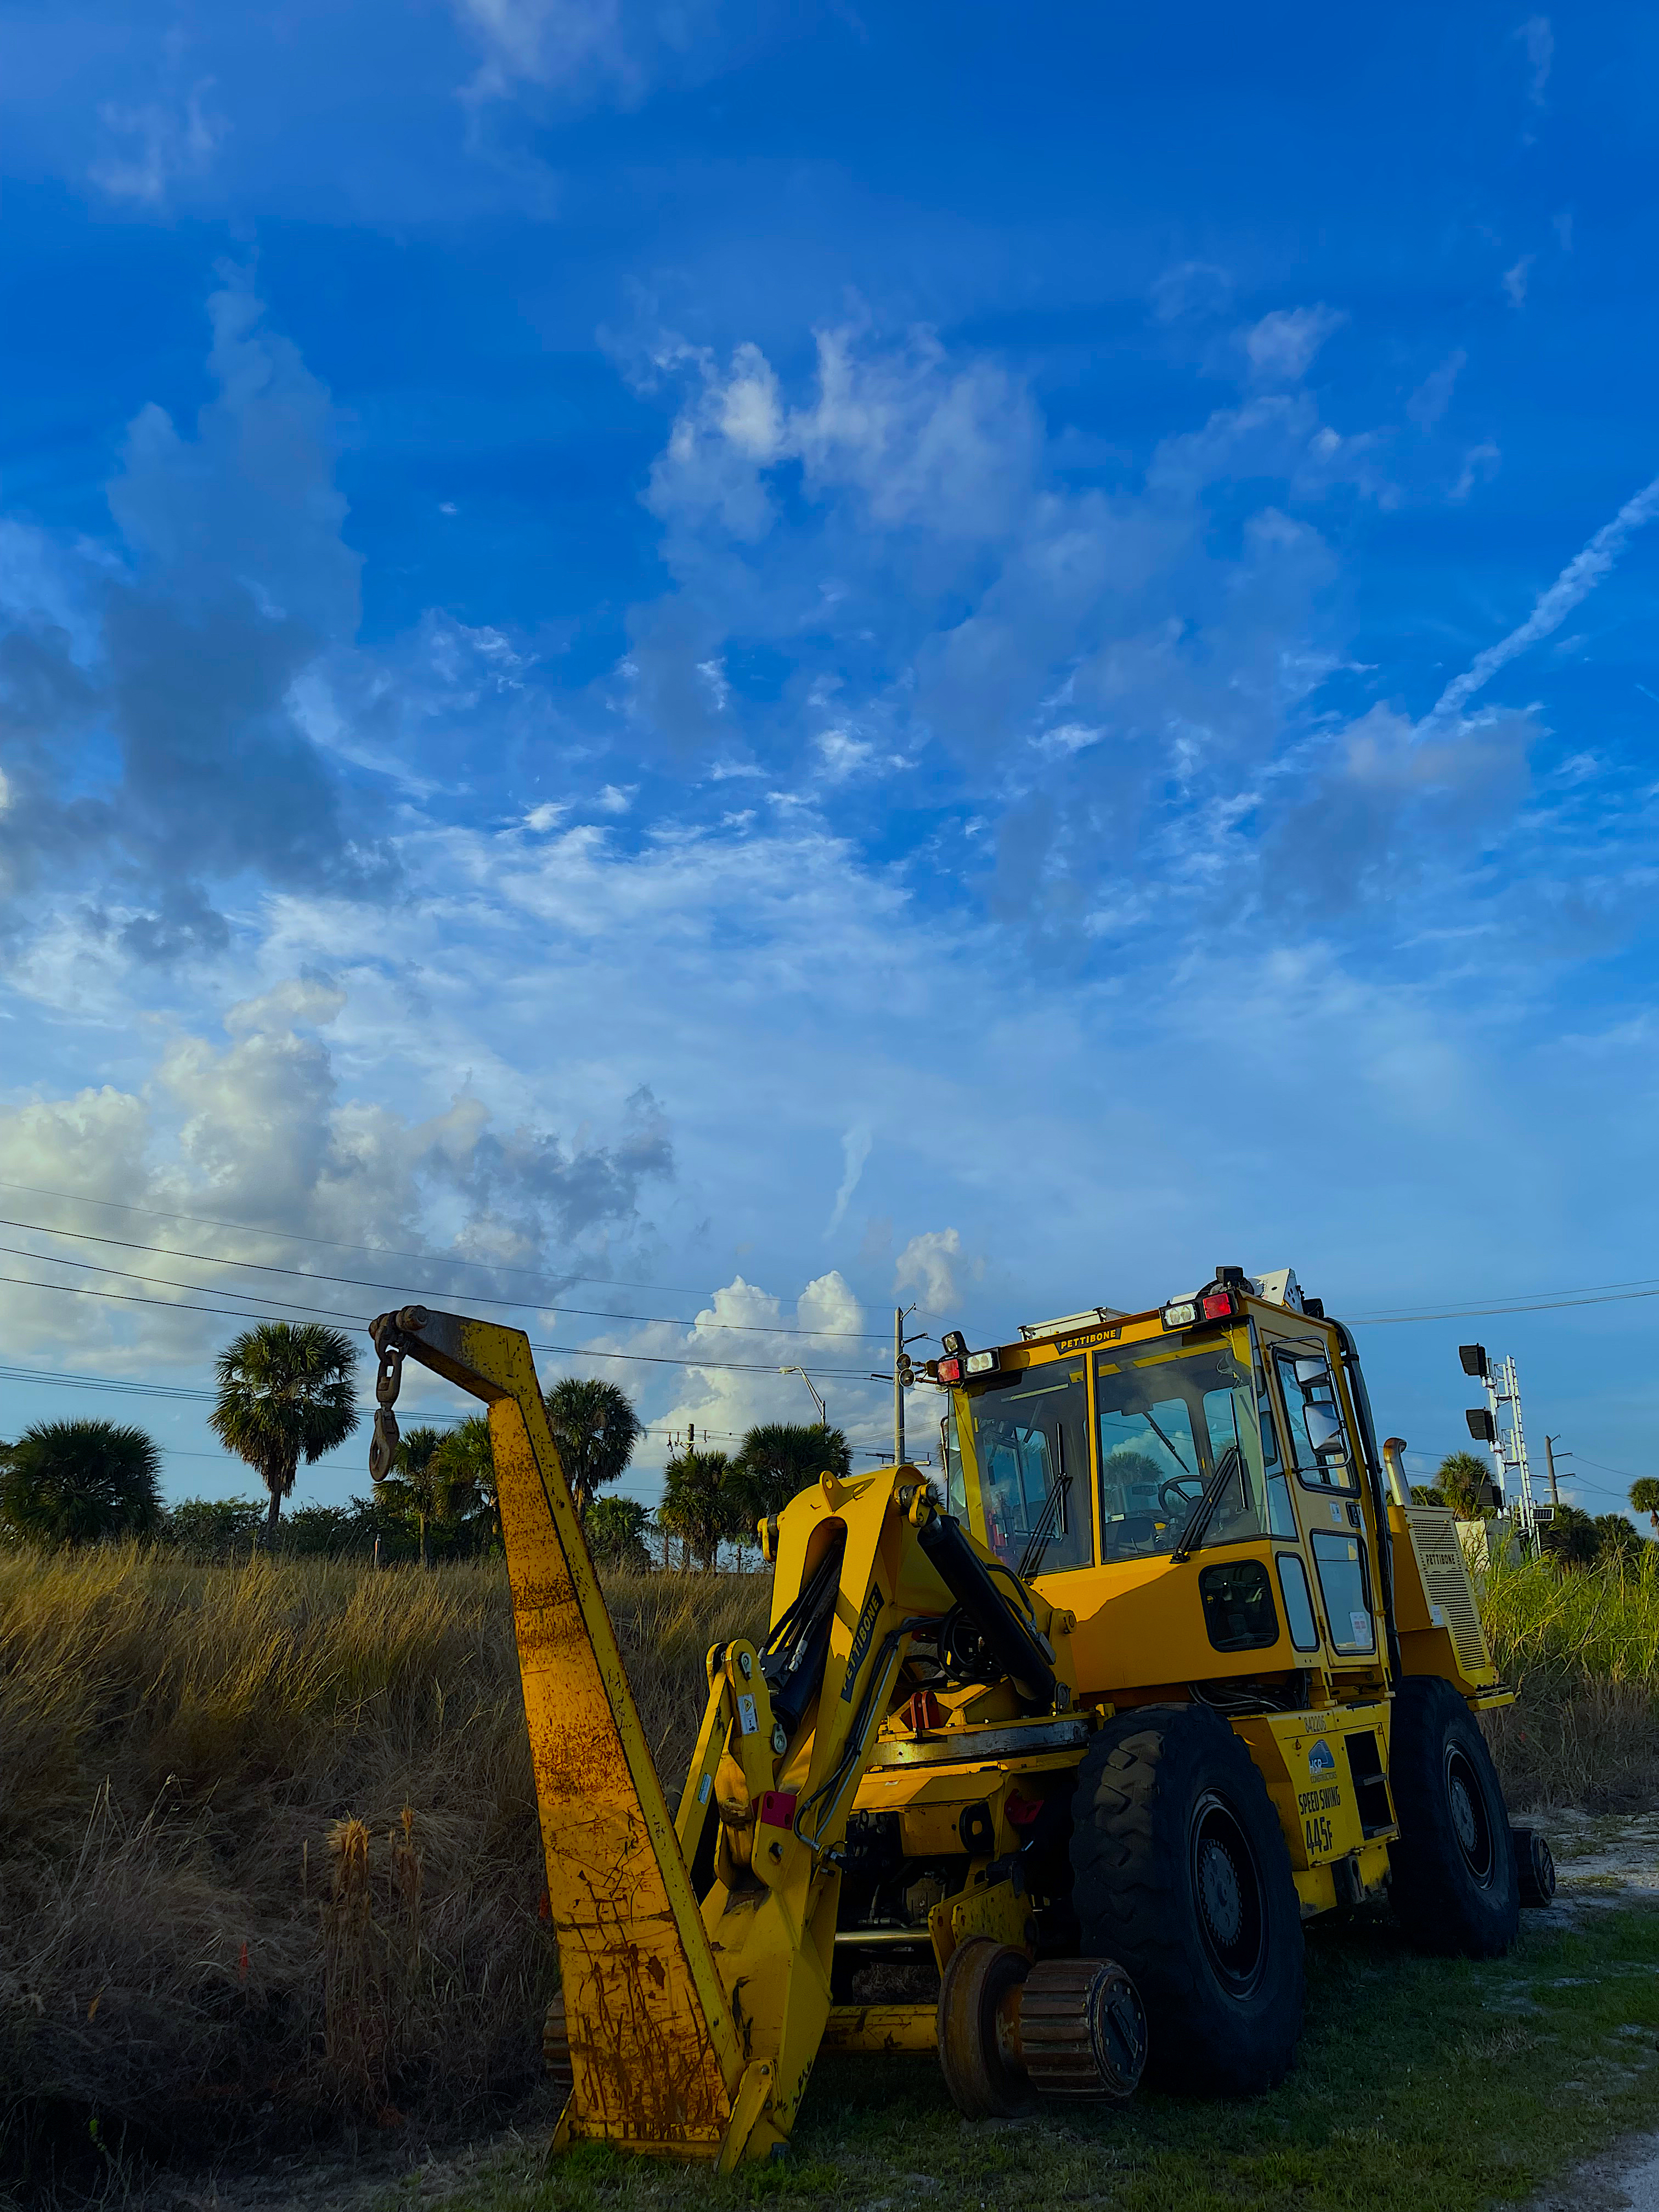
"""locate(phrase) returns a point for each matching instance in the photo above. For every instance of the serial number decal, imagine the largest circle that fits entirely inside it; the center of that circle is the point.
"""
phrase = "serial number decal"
(861, 1642)
(1317, 1835)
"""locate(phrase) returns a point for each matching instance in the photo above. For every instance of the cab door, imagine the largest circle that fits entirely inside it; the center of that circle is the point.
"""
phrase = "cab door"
(1322, 1489)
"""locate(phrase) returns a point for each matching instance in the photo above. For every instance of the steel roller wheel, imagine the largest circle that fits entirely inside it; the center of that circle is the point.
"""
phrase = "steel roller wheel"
(978, 2046)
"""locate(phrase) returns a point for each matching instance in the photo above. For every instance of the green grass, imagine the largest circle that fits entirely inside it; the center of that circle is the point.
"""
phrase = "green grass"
(1422, 2086)
(1600, 1621)
(1582, 1645)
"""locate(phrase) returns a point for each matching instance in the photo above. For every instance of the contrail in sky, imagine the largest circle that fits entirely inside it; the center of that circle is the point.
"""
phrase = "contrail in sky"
(1575, 582)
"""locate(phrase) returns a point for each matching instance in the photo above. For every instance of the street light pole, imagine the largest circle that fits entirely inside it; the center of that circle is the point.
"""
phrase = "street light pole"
(824, 1417)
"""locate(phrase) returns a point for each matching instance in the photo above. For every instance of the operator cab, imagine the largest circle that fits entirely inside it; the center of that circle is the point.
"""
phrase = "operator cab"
(1222, 1423)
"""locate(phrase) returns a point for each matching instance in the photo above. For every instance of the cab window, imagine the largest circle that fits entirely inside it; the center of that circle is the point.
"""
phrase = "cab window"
(1319, 1443)
(1168, 1427)
(1028, 1436)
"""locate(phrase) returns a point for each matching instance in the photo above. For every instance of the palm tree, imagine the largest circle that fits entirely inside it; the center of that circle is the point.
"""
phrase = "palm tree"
(416, 1488)
(700, 1502)
(80, 1482)
(1644, 1499)
(616, 1531)
(286, 1393)
(777, 1460)
(595, 1429)
(466, 1463)
(1460, 1479)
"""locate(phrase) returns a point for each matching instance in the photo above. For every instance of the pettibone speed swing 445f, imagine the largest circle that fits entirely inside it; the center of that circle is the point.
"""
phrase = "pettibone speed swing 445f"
(1045, 1777)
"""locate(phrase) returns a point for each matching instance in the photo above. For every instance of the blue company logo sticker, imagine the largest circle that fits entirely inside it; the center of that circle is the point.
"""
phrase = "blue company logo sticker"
(1321, 1758)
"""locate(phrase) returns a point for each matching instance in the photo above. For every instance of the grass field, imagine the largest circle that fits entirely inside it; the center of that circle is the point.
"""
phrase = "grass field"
(1584, 1648)
(269, 1857)
(1422, 2086)
(183, 1750)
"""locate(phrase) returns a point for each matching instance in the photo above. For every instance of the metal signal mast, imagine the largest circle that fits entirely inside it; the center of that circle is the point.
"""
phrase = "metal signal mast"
(1498, 1423)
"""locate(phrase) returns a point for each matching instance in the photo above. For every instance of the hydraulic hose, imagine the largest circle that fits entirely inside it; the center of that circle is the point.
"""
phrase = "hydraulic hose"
(1009, 1638)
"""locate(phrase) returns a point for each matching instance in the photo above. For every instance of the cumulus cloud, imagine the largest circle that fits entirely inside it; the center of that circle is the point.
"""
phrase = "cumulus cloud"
(156, 736)
(158, 144)
(1515, 279)
(895, 528)
(739, 1352)
(1282, 345)
(928, 1265)
(258, 1130)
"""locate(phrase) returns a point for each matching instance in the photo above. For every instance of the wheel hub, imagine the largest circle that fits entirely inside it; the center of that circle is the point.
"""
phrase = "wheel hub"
(1227, 1892)
(1465, 1804)
(1218, 1892)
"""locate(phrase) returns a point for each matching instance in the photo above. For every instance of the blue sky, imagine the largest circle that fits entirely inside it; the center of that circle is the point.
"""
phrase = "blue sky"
(752, 662)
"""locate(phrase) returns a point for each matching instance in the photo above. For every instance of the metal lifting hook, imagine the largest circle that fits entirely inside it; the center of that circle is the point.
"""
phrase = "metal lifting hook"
(383, 1446)
(390, 1344)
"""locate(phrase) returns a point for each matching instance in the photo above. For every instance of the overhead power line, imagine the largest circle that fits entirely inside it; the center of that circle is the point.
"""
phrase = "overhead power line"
(123, 1386)
(400, 1289)
(332, 1244)
(356, 1325)
(1608, 1294)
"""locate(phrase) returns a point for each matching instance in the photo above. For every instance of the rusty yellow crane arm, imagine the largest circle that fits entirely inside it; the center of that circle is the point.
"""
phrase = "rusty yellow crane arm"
(658, 2062)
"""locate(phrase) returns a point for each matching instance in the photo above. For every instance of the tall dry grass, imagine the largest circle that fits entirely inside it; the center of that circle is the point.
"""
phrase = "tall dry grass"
(268, 1841)
(1581, 1644)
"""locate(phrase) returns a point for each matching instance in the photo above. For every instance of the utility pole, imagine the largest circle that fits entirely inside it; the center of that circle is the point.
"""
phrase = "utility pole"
(1550, 1444)
(898, 1385)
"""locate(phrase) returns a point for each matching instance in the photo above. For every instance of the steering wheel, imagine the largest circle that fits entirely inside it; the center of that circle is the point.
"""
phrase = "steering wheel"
(1187, 1490)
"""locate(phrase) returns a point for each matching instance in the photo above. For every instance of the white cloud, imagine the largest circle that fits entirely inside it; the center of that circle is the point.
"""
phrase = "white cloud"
(157, 145)
(256, 1131)
(1480, 464)
(596, 48)
(1574, 585)
(1433, 396)
(1282, 345)
(855, 1150)
(1515, 279)
(928, 1265)
(1539, 40)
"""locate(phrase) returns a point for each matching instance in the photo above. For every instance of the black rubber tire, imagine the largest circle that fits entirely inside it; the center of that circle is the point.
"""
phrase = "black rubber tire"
(1163, 1794)
(1453, 1883)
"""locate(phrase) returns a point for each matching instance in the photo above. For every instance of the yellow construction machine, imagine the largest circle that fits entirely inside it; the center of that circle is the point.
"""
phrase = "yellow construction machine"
(1044, 1773)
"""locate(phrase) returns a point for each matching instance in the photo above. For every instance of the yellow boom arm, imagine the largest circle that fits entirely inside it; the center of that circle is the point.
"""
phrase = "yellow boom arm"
(693, 2029)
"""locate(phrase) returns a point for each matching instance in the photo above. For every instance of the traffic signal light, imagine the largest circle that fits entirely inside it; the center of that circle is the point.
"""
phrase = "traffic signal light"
(1473, 1356)
(1482, 1427)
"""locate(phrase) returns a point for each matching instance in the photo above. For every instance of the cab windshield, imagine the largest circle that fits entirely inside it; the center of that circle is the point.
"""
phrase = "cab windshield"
(1025, 1436)
(1167, 1426)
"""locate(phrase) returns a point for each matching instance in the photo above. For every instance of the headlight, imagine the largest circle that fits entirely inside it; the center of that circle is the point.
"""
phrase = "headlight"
(982, 1362)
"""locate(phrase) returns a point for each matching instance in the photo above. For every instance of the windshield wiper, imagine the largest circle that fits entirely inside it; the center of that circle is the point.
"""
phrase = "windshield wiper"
(1231, 1463)
(1030, 1559)
(1168, 1446)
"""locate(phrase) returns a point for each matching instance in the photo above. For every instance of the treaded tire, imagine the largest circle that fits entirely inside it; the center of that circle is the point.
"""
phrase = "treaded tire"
(1453, 1884)
(1170, 1812)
